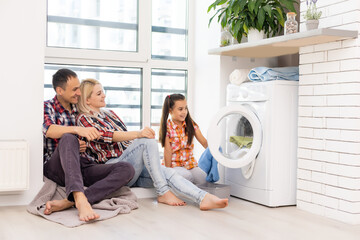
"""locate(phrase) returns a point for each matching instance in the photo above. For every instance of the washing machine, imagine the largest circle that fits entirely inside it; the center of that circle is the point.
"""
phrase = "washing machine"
(254, 138)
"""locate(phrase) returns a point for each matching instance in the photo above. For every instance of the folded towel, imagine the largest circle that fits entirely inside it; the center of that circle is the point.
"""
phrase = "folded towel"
(209, 165)
(242, 141)
(261, 74)
(121, 201)
(238, 76)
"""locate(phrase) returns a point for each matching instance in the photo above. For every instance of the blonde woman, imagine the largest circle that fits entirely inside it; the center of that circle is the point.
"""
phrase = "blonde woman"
(138, 148)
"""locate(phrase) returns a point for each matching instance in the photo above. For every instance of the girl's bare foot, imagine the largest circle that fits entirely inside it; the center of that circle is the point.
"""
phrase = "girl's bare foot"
(86, 213)
(57, 205)
(170, 199)
(211, 201)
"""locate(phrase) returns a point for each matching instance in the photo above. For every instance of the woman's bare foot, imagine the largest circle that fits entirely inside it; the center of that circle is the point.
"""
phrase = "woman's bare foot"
(86, 213)
(170, 199)
(57, 205)
(211, 201)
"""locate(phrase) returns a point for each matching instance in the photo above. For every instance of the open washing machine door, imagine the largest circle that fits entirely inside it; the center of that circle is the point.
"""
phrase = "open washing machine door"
(235, 137)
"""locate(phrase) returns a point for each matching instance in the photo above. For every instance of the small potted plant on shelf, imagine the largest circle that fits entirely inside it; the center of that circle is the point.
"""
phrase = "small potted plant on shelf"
(246, 16)
(312, 15)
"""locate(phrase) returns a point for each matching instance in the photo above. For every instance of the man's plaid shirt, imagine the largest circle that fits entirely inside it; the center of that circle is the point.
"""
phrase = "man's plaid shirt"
(55, 113)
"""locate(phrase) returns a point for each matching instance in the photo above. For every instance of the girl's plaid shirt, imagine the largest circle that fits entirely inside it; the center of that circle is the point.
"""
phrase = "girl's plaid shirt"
(182, 155)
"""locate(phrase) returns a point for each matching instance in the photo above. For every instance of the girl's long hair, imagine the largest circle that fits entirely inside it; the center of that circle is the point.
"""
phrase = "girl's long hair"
(169, 103)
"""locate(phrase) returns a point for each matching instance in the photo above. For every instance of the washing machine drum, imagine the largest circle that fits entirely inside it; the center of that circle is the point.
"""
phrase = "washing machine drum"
(235, 137)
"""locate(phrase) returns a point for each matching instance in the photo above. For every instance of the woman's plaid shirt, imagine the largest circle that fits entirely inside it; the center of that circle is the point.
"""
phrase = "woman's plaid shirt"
(103, 149)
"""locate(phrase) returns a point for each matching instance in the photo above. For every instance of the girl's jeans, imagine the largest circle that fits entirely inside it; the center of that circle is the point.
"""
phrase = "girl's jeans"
(144, 152)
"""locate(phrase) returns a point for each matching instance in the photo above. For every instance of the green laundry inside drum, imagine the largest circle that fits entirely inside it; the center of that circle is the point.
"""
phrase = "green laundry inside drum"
(242, 141)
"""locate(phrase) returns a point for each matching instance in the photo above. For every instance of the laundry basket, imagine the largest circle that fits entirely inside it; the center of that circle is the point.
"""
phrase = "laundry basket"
(219, 190)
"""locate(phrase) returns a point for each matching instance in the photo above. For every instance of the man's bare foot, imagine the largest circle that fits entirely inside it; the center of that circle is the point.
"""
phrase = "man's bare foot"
(211, 201)
(170, 199)
(86, 213)
(57, 205)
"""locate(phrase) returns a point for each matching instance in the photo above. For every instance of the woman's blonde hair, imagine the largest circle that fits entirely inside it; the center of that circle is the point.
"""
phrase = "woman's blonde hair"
(86, 88)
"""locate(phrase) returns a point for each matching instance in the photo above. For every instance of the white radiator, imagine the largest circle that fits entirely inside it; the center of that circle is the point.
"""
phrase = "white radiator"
(14, 165)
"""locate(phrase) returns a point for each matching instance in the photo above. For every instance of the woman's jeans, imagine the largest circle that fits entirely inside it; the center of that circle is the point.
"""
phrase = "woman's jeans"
(144, 152)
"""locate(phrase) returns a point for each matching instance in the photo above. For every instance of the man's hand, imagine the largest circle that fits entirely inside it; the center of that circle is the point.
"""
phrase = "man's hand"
(90, 133)
(146, 133)
(82, 146)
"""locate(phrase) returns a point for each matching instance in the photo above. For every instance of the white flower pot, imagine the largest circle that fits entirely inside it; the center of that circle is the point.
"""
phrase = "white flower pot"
(312, 24)
(254, 35)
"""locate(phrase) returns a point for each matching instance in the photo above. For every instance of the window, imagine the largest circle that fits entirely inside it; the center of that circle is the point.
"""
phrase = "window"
(163, 83)
(93, 24)
(169, 30)
(137, 49)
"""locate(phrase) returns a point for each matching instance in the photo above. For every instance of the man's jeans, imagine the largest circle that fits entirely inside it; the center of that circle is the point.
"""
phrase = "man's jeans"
(144, 152)
(67, 169)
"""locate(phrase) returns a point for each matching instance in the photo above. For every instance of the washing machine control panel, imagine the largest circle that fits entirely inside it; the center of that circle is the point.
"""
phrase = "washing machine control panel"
(243, 93)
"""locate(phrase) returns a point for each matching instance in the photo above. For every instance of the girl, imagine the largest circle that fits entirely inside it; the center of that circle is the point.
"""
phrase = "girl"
(138, 148)
(176, 136)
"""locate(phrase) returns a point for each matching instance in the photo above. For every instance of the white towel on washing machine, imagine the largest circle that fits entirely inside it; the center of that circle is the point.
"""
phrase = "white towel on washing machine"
(238, 76)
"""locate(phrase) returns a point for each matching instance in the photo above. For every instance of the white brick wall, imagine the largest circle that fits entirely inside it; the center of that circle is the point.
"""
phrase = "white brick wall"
(329, 118)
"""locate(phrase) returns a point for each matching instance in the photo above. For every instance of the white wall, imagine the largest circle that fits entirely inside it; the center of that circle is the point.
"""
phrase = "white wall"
(206, 81)
(329, 118)
(22, 42)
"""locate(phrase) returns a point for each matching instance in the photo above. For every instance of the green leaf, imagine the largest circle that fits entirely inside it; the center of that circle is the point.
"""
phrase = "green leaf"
(280, 16)
(245, 28)
(233, 3)
(220, 16)
(257, 5)
(289, 5)
(242, 4)
(257, 26)
(216, 14)
(210, 20)
(236, 9)
(224, 21)
(216, 3)
(261, 18)
(213, 5)
(251, 5)
(267, 8)
(222, 2)
(239, 37)
(252, 17)
(237, 27)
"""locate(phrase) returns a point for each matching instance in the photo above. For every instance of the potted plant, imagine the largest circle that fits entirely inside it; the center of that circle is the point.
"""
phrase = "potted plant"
(243, 15)
(312, 15)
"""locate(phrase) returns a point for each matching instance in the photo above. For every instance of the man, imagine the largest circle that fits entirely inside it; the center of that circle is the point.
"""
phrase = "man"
(62, 161)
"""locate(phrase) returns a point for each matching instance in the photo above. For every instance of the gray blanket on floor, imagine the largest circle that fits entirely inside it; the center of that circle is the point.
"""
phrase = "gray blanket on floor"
(121, 201)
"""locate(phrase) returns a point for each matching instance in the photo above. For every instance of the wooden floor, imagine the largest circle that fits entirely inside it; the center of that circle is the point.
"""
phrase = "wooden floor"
(241, 220)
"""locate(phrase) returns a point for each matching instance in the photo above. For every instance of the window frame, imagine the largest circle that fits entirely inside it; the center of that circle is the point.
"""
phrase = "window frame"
(141, 59)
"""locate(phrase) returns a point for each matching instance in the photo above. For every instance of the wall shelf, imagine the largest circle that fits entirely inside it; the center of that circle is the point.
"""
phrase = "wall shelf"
(284, 45)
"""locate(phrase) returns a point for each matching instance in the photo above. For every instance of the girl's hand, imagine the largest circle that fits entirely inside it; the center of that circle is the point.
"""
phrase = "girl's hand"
(146, 133)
